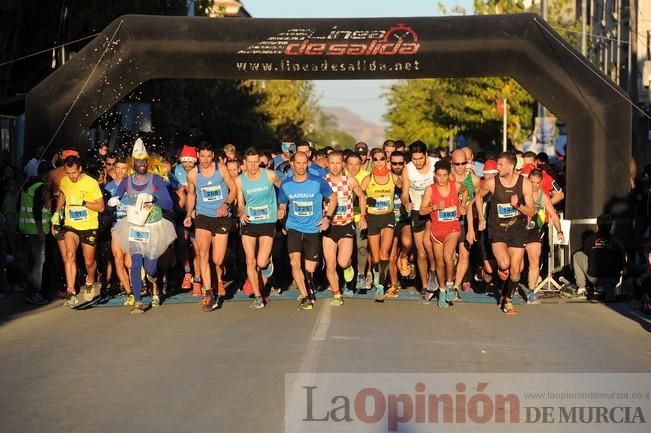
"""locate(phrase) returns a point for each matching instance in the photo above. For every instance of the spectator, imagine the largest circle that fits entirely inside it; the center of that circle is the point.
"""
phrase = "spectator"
(601, 260)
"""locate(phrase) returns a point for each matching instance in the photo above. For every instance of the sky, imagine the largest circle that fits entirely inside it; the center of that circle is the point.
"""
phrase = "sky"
(363, 97)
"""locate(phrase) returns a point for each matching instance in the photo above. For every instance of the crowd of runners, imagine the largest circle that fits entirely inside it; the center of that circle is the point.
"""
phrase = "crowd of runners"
(211, 222)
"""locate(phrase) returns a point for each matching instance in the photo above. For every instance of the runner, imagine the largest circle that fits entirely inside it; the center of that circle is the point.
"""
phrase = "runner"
(258, 213)
(83, 200)
(354, 168)
(185, 235)
(419, 177)
(402, 240)
(544, 211)
(301, 200)
(121, 258)
(467, 182)
(511, 204)
(212, 190)
(442, 202)
(339, 238)
(380, 190)
(143, 239)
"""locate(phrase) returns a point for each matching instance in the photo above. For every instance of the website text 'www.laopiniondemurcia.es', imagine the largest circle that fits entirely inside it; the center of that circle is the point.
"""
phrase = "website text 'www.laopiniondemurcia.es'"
(352, 48)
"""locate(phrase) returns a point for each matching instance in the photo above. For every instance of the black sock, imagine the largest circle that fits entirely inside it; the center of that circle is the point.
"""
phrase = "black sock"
(510, 288)
(309, 284)
(384, 265)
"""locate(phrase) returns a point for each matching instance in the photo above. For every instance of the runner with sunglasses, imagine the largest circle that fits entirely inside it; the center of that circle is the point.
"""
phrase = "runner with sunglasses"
(380, 190)
(399, 259)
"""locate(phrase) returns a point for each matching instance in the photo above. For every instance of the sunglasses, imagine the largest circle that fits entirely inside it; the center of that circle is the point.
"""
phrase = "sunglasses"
(262, 165)
(109, 164)
(459, 163)
(397, 163)
(379, 159)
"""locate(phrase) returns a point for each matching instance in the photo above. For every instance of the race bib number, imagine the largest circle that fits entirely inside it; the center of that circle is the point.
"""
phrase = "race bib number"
(506, 210)
(211, 193)
(139, 234)
(78, 213)
(448, 214)
(258, 212)
(341, 209)
(303, 208)
(382, 203)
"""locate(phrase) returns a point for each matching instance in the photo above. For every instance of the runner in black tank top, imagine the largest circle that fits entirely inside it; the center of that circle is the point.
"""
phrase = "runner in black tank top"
(511, 203)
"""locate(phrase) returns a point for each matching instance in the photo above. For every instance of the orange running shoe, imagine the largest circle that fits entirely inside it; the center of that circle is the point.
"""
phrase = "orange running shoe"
(246, 287)
(196, 289)
(187, 281)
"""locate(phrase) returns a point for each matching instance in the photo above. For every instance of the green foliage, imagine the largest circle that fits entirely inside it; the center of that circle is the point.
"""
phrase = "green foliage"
(434, 110)
(291, 107)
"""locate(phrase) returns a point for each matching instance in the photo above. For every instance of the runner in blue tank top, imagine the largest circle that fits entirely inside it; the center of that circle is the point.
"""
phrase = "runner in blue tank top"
(301, 198)
(212, 190)
(258, 213)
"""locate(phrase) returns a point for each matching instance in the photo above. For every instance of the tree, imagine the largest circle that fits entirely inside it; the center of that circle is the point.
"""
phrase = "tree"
(291, 107)
(326, 133)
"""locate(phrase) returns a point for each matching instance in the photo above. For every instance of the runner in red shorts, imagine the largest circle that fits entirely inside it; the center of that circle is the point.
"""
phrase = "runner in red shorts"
(441, 202)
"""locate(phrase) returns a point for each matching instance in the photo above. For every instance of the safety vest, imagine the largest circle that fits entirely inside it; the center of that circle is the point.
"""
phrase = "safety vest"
(26, 221)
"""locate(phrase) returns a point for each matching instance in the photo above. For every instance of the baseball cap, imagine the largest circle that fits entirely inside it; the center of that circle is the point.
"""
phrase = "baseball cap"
(490, 167)
(361, 146)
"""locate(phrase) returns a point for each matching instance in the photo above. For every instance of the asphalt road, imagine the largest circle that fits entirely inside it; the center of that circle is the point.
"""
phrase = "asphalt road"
(178, 369)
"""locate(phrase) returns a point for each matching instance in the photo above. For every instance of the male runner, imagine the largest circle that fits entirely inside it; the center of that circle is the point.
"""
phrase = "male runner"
(467, 181)
(442, 203)
(402, 240)
(83, 200)
(212, 191)
(258, 213)
(419, 177)
(301, 200)
(511, 204)
(354, 168)
(338, 239)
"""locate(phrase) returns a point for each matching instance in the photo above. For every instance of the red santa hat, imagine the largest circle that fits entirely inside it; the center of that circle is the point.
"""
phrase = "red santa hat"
(188, 153)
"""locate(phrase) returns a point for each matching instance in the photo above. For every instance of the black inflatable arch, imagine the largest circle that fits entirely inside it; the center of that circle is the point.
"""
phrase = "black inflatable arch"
(134, 49)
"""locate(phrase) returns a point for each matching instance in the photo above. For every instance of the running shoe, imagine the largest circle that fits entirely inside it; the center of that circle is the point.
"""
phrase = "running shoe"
(138, 308)
(130, 300)
(71, 300)
(337, 300)
(187, 281)
(349, 274)
(425, 297)
(450, 294)
(305, 304)
(257, 303)
(266, 272)
(507, 307)
(361, 282)
(197, 290)
(432, 284)
(369, 281)
(207, 301)
(532, 298)
(412, 271)
(348, 292)
(155, 301)
(379, 293)
(247, 289)
(403, 265)
(393, 292)
(89, 292)
(442, 303)
(36, 299)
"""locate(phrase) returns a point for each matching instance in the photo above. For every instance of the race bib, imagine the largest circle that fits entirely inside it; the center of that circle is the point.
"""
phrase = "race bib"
(341, 209)
(258, 212)
(211, 193)
(303, 208)
(78, 213)
(448, 214)
(382, 203)
(139, 234)
(506, 210)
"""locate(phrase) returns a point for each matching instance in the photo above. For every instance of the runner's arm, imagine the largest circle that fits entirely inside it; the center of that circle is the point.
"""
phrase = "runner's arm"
(232, 188)
(426, 205)
(486, 187)
(404, 197)
(361, 196)
(273, 178)
(191, 194)
(527, 208)
(553, 216)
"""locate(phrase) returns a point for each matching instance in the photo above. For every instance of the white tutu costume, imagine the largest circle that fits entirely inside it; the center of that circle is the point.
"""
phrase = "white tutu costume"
(144, 231)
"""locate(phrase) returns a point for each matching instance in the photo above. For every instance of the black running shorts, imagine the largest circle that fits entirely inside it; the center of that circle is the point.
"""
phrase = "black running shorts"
(308, 244)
